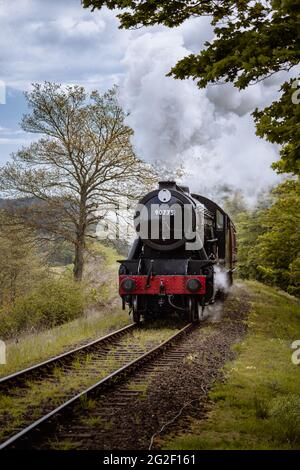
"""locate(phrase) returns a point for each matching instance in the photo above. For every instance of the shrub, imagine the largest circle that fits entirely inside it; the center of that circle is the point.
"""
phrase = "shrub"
(285, 418)
(51, 302)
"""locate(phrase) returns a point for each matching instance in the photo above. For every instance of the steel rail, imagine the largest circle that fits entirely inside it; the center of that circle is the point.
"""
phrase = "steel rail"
(12, 379)
(40, 426)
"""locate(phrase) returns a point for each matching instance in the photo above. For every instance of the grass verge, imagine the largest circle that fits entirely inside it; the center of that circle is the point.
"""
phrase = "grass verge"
(102, 313)
(24, 406)
(39, 346)
(258, 405)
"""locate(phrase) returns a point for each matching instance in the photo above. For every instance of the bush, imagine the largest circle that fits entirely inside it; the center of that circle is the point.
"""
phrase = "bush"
(285, 418)
(52, 302)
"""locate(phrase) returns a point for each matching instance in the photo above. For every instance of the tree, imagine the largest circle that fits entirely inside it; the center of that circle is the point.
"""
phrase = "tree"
(233, 203)
(21, 262)
(253, 40)
(269, 239)
(280, 124)
(249, 229)
(279, 246)
(82, 163)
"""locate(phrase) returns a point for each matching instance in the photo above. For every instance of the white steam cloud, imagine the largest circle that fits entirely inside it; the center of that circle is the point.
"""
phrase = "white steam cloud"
(221, 282)
(210, 132)
(214, 312)
(169, 117)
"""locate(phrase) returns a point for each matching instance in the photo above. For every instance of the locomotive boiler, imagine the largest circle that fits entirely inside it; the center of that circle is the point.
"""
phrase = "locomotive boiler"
(182, 241)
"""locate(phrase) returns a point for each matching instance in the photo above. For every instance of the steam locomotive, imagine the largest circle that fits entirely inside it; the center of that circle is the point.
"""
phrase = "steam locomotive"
(182, 241)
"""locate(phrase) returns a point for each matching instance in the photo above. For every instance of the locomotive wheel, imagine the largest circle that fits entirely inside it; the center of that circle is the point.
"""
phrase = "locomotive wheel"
(189, 309)
(201, 315)
(136, 316)
(193, 310)
(198, 313)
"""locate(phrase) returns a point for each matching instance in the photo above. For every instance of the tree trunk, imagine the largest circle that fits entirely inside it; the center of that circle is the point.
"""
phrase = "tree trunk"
(80, 238)
(78, 260)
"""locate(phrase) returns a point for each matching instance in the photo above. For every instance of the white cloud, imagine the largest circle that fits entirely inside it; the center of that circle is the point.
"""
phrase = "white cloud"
(15, 137)
(9, 140)
(80, 28)
(210, 130)
(59, 41)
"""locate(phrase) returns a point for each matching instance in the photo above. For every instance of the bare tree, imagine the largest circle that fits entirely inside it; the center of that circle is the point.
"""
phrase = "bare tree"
(82, 162)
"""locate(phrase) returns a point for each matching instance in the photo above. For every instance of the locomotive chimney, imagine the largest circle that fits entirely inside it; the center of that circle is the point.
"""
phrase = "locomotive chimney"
(167, 185)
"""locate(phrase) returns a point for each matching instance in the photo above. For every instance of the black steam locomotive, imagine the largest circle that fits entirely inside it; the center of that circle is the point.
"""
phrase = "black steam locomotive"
(183, 240)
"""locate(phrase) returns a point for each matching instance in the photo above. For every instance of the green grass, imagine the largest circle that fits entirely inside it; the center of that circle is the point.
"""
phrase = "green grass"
(37, 347)
(97, 422)
(103, 315)
(258, 406)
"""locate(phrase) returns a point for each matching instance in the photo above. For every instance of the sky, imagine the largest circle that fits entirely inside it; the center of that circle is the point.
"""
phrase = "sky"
(210, 132)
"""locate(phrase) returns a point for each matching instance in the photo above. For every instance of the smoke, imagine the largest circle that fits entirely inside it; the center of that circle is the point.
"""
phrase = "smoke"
(214, 312)
(209, 132)
(170, 118)
(221, 282)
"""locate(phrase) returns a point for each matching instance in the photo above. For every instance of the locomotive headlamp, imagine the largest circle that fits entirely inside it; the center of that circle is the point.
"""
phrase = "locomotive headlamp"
(193, 285)
(164, 195)
(128, 285)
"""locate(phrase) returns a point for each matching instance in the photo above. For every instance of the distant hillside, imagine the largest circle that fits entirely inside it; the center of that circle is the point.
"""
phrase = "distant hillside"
(11, 202)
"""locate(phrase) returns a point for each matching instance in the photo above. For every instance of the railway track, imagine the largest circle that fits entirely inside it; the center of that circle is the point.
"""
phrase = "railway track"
(28, 395)
(133, 361)
(45, 368)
